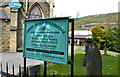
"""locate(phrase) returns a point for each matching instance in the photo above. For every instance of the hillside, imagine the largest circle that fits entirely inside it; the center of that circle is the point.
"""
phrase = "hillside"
(101, 18)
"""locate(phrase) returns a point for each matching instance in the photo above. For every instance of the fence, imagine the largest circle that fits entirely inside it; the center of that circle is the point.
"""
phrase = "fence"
(31, 71)
(12, 74)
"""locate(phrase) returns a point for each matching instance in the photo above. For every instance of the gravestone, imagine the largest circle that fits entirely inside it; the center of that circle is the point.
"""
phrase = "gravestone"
(34, 71)
(84, 58)
(93, 60)
(87, 47)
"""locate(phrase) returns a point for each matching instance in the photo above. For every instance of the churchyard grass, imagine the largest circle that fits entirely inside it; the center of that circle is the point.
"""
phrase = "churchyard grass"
(109, 64)
(110, 52)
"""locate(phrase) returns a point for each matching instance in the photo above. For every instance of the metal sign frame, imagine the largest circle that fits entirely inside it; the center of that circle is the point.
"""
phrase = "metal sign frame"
(46, 39)
(72, 47)
(71, 62)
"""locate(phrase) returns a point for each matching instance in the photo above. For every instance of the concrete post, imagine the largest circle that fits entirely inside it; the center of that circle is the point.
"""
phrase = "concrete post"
(13, 33)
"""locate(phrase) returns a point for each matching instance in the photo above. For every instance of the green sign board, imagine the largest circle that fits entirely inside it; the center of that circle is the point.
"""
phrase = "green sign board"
(46, 39)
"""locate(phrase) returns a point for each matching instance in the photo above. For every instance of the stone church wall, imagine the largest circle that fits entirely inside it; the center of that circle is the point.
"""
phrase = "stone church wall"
(45, 7)
(4, 36)
(21, 15)
(12, 31)
(1, 36)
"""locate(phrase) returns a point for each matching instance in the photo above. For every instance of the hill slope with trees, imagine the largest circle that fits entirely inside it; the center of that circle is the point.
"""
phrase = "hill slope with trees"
(101, 18)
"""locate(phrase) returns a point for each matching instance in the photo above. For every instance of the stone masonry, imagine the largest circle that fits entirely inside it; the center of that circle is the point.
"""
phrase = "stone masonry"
(12, 29)
(4, 35)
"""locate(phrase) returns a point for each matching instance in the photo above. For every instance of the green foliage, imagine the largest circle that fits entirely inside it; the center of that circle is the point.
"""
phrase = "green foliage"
(99, 34)
(105, 37)
(113, 42)
(109, 66)
(63, 69)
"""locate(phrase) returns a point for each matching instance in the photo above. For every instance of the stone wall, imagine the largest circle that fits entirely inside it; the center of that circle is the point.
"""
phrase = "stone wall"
(4, 35)
(1, 36)
(11, 32)
(21, 15)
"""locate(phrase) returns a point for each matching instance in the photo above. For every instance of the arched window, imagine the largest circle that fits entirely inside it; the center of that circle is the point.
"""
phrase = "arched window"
(35, 12)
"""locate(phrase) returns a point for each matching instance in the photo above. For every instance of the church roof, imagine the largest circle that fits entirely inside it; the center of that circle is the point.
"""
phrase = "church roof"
(3, 14)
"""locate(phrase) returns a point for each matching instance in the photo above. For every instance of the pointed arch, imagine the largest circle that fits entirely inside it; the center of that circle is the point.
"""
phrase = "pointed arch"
(35, 11)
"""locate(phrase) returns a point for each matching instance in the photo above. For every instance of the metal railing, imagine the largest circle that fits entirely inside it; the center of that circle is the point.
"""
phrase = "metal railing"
(6, 73)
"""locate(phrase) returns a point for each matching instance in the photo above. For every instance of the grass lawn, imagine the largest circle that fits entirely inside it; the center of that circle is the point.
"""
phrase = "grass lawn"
(110, 52)
(109, 64)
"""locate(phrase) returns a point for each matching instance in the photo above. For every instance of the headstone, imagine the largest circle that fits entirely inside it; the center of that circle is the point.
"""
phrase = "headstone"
(34, 71)
(84, 58)
(87, 47)
(94, 61)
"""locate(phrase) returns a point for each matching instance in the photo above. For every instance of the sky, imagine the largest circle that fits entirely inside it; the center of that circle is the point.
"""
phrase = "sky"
(84, 7)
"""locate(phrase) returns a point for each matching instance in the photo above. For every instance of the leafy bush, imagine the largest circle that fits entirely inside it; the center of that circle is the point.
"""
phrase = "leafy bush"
(99, 33)
(113, 42)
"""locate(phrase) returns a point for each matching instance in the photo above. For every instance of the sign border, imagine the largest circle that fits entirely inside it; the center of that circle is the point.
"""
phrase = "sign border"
(55, 18)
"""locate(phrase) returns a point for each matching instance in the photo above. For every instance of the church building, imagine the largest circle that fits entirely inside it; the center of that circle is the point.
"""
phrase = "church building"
(11, 21)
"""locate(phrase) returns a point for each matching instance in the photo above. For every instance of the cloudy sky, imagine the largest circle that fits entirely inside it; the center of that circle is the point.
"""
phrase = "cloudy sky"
(84, 7)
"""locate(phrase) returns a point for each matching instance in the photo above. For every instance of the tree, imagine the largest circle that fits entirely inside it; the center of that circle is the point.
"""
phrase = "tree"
(113, 42)
(99, 33)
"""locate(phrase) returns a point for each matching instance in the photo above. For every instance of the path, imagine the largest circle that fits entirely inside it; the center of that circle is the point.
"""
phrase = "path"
(75, 48)
(17, 59)
(102, 52)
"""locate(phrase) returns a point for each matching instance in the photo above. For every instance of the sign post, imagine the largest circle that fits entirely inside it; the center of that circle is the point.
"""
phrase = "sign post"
(46, 39)
(72, 47)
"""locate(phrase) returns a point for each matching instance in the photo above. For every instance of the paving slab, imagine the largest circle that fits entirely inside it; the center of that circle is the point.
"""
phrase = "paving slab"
(17, 59)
